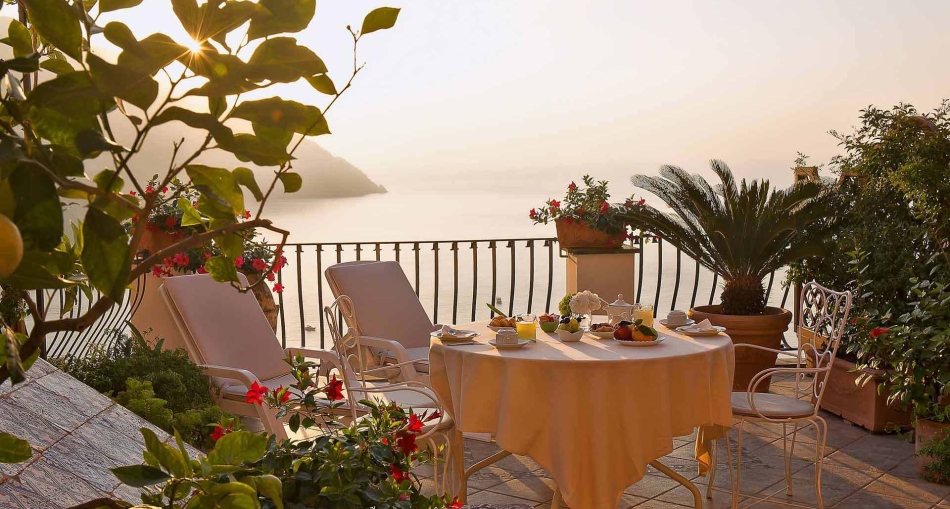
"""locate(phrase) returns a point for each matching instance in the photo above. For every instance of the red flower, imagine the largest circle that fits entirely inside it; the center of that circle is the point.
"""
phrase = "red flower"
(278, 288)
(281, 262)
(533, 213)
(572, 187)
(435, 415)
(256, 394)
(555, 205)
(415, 424)
(283, 397)
(132, 193)
(207, 256)
(220, 432)
(568, 220)
(202, 270)
(164, 189)
(604, 208)
(157, 271)
(247, 214)
(169, 262)
(270, 276)
(397, 473)
(407, 443)
(239, 261)
(149, 190)
(171, 221)
(642, 201)
(259, 265)
(878, 331)
(334, 389)
(181, 259)
(455, 504)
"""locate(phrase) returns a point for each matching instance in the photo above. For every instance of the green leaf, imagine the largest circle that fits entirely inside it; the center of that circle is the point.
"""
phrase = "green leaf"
(92, 142)
(221, 269)
(147, 56)
(190, 216)
(250, 148)
(269, 486)
(168, 457)
(218, 184)
(140, 476)
(206, 121)
(217, 105)
(56, 66)
(32, 274)
(21, 64)
(114, 5)
(379, 19)
(105, 253)
(60, 128)
(212, 20)
(20, 39)
(281, 16)
(71, 94)
(107, 179)
(57, 22)
(7, 200)
(322, 83)
(283, 114)
(126, 83)
(245, 177)
(282, 60)
(15, 450)
(234, 495)
(38, 215)
(232, 245)
(240, 446)
(273, 135)
(292, 181)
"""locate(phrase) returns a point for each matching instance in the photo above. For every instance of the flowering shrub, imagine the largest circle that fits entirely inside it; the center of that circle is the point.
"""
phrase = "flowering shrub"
(588, 205)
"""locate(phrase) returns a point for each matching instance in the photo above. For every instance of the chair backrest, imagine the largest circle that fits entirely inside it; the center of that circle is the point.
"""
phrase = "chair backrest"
(223, 326)
(347, 346)
(824, 314)
(389, 307)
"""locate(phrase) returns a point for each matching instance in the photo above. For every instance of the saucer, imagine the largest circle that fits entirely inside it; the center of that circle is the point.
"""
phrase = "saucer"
(715, 331)
(459, 335)
(687, 323)
(514, 346)
(657, 341)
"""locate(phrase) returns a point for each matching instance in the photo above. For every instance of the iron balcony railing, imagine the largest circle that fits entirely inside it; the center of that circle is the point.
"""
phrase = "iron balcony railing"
(452, 278)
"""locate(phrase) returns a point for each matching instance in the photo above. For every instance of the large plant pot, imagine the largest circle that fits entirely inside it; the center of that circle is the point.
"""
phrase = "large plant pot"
(763, 330)
(154, 241)
(926, 431)
(266, 299)
(863, 405)
(577, 234)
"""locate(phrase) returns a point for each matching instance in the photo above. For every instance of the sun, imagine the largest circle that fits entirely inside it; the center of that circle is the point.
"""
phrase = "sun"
(193, 46)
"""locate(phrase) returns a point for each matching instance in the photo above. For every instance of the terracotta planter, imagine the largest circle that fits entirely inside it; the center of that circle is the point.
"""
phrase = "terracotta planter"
(763, 330)
(577, 234)
(863, 405)
(155, 241)
(266, 299)
(926, 431)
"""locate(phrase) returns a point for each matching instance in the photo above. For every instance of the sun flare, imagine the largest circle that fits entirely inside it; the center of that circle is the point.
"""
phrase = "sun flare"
(193, 46)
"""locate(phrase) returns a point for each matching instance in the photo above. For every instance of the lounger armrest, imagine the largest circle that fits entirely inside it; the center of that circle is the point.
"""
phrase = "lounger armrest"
(241, 375)
(324, 356)
(767, 349)
(398, 351)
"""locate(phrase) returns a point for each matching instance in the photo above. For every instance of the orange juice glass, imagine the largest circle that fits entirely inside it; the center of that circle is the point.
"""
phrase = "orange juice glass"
(527, 326)
(644, 312)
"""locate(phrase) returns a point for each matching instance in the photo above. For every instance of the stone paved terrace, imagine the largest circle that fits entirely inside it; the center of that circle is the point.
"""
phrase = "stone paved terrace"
(861, 471)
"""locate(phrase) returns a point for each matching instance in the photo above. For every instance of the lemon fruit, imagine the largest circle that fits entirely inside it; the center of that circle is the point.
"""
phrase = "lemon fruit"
(11, 247)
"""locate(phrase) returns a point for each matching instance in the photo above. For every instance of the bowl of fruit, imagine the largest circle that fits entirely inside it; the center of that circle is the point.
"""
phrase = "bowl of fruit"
(601, 330)
(548, 322)
(569, 330)
(636, 334)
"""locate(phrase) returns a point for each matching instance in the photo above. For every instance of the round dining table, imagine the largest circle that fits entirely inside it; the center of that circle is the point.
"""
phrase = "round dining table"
(594, 413)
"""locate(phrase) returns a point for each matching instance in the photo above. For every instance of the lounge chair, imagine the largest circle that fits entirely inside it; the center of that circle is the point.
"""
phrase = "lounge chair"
(226, 333)
(391, 316)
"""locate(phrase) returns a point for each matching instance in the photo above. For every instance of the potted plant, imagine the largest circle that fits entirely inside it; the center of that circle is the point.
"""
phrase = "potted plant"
(585, 217)
(742, 233)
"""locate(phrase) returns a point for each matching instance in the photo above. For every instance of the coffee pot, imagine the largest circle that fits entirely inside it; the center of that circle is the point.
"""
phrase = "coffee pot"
(619, 310)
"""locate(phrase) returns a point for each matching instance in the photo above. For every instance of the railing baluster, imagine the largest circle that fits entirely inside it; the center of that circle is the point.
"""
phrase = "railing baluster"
(359, 251)
(280, 303)
(494, 274)
(435, 303)
(378, 258)
(712, 291)
(550, 245)
(455, 279)
(530, 274)
(659, 275)
(785, 296)
(692, 300)
(303, 330)
(676, 283)
(641, 256)
(768, 291)
(320, 293)
(474, 277)
(415, 247)
(511, 298)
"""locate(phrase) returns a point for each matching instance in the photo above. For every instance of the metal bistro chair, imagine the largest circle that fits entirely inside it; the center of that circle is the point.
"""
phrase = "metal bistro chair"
(824, 314)
(364, 381)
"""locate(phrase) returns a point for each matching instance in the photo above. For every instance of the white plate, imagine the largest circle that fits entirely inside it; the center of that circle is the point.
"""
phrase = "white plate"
(687, 323)
(602, 335)
(514, 346)
(657, 341)
(715, 332)
(460, 335)
(496, 329)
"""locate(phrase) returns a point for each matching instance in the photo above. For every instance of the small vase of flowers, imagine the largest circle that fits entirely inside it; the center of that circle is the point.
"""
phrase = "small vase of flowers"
(585, 217)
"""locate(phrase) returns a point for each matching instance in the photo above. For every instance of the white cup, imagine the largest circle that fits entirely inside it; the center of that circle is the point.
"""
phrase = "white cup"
(506, 336)
(676, 318)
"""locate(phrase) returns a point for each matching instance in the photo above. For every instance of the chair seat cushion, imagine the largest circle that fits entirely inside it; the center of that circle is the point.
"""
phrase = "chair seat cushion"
(773, 406)
(406, 398)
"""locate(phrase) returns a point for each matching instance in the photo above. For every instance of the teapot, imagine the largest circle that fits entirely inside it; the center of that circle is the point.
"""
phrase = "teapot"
(619, 310)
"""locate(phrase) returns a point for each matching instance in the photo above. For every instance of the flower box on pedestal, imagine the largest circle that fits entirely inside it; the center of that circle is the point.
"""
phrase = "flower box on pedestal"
(864, 405)
(572, 233)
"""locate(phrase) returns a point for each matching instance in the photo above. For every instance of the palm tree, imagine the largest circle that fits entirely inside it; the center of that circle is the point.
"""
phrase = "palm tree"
(742, 233)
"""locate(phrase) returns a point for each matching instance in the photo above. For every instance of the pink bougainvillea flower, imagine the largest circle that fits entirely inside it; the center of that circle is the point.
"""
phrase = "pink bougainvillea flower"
(171, 221)
(334, 389)
(259, 264)
(877, 331)
(202, 270)
(415, 424)
(398, 474)
(406, 442)
(220, 432)
(256, 394)
(604, 208)
(239, 261)
(572, 187)
(278, 288)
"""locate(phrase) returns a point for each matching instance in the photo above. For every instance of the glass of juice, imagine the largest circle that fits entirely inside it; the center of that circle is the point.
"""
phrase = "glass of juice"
(527, 326)
(644, 312)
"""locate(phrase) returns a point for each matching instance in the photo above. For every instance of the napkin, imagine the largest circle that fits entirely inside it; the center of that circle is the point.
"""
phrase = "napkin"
(700, 327)
(450, 333)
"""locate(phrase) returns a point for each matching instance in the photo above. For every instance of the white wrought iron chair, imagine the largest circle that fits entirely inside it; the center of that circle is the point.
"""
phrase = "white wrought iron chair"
(365, 382)
(823, 315)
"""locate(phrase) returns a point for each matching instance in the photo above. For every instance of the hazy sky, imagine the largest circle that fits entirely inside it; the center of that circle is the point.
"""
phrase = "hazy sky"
(499, 86)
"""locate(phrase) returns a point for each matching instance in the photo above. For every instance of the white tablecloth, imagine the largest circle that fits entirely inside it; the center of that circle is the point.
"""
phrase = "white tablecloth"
(592, 413)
